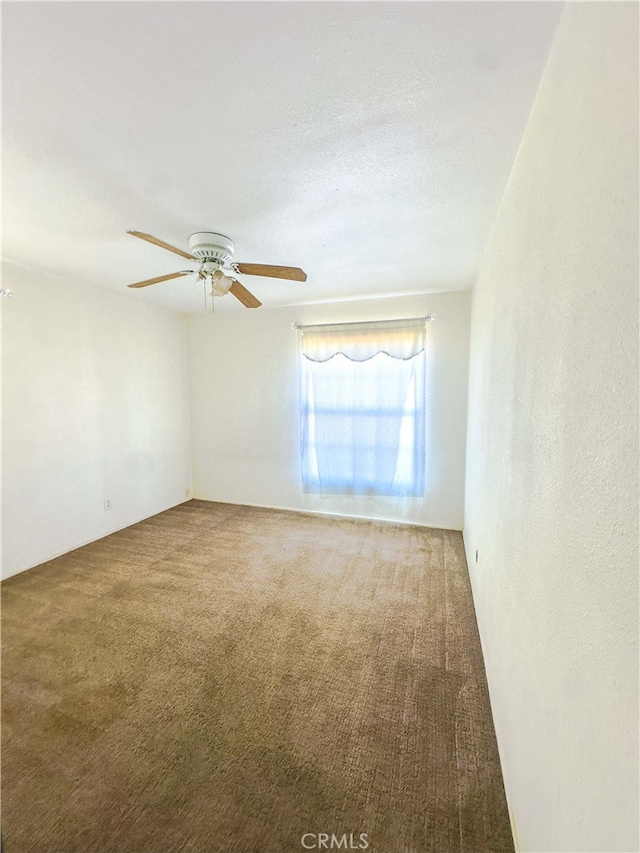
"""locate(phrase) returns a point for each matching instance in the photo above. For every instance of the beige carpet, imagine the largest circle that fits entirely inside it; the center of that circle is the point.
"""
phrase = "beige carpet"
(224, 679)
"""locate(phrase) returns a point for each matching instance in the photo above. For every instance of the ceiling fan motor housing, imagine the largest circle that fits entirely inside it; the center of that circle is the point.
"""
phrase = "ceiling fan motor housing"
(215, 248)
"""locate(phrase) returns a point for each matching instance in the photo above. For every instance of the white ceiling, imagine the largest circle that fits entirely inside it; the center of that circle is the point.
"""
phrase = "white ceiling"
(369, 143)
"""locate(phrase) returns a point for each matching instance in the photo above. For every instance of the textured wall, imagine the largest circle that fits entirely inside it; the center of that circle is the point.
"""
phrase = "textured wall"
(552, 478)
(243, 383)
(95, 407)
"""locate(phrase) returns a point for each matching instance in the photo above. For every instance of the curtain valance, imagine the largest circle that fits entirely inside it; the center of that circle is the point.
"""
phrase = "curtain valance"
(401, 339)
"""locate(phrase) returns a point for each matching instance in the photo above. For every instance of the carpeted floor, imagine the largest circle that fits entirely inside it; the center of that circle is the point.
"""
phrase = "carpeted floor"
(224, 679)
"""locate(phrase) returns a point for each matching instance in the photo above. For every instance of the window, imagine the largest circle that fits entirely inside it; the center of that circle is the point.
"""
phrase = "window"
(362, 408)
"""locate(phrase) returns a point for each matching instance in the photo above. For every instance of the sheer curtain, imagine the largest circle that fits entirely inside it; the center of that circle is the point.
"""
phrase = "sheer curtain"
(362, 408)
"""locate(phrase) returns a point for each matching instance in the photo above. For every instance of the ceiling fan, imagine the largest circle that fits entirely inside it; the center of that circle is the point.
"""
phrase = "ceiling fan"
(213, 253)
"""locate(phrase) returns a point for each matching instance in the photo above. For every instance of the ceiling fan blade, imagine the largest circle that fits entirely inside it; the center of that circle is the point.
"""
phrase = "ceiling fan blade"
(149, 281)
(246, 297)
(291, 273)
(150, 239)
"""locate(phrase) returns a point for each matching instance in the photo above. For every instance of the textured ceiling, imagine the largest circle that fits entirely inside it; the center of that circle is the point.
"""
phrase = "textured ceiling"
(369, 143)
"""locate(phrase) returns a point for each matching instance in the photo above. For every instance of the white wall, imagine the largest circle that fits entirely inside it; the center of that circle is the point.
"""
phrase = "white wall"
(95, 406)
(552, 478)
(243, 379)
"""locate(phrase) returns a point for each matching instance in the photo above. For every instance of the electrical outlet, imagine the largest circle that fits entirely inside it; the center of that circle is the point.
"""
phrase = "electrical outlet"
(107, 504)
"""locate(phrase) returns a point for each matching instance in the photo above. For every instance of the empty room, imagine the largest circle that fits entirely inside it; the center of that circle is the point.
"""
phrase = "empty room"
(320, 427)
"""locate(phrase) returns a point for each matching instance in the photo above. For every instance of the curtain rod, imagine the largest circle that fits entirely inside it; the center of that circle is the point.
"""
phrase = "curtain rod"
(428, 319)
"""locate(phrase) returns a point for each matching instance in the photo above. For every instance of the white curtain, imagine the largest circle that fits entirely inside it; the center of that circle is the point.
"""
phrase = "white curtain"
(362, 408)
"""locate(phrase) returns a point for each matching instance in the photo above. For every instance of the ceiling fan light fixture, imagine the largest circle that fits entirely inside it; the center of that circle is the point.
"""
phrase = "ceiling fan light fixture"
(220, 283)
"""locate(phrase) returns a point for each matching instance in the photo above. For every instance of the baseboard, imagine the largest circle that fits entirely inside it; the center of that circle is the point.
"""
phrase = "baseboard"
(512, 821)
(324, 514)
(94, 539)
